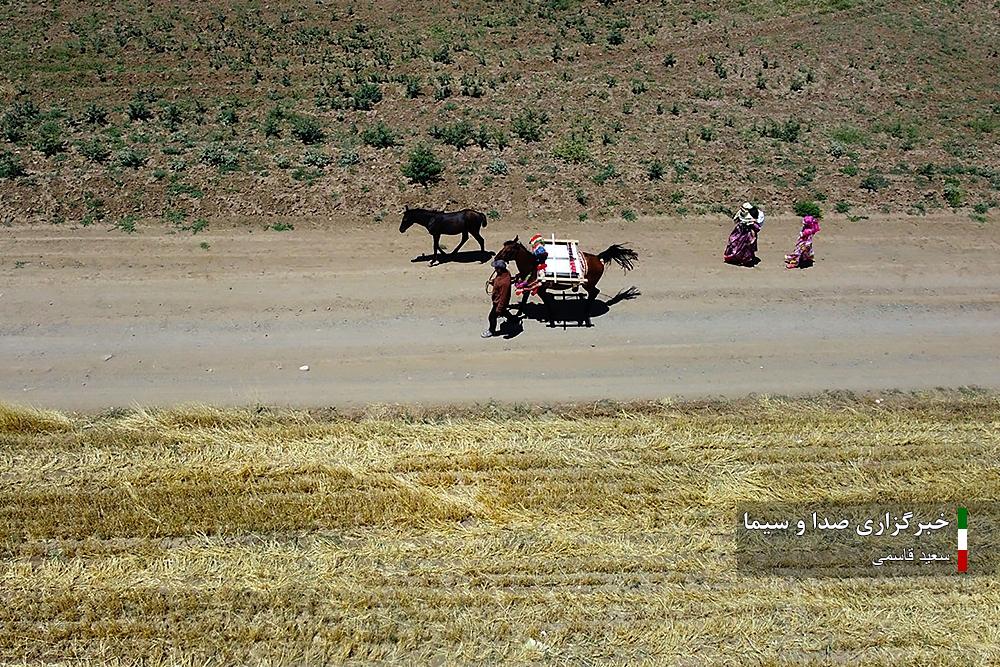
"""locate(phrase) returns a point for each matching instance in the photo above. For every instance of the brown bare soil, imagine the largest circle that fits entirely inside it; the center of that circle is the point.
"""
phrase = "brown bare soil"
(891, 303)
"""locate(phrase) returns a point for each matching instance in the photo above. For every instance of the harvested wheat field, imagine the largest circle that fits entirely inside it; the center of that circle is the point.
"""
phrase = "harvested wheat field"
(599, 533)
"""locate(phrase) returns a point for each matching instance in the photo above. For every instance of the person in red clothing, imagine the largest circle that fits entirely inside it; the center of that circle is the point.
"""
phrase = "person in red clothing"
(501, 297)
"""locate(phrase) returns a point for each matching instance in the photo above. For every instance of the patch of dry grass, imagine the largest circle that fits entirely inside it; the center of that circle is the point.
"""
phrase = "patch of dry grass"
(597, 533)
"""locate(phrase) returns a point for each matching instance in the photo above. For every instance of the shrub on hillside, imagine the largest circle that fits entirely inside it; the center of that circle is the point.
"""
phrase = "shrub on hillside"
(572, 149)
(366, 96)
(529, 123)
(130, 157)
(423, 166)
(379, 135)
(307, 129)
(10, 165)
(459, 134)
(806, 207)
(49, 141)
(874, 182)
(94, 150)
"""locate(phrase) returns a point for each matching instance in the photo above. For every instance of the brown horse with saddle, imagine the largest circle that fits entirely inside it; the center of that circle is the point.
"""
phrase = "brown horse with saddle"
(527, 269)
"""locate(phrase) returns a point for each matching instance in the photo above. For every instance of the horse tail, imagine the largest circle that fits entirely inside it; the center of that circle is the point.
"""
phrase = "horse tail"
(479, 217)
(622, 255)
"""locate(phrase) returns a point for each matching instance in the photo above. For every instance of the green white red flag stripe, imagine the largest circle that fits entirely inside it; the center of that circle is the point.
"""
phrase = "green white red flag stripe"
(963, 539)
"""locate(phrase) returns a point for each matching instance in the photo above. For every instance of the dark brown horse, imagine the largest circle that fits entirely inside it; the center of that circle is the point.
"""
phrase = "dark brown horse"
(463, 222)
(527, 267)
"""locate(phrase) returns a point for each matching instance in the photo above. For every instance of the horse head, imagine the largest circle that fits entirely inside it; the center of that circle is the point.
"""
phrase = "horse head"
(409, 217)
(509, 250)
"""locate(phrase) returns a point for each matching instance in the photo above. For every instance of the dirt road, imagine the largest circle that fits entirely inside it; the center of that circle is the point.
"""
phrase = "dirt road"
(92, 318)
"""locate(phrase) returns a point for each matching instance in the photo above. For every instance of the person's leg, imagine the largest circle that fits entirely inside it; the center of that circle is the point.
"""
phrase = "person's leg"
(493, 320)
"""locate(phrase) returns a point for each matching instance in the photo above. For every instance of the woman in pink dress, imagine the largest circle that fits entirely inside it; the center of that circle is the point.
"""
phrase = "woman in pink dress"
(802, 257)
(742, 247)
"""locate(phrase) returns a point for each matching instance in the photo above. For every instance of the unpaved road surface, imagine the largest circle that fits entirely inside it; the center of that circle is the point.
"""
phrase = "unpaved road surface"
(92, 318)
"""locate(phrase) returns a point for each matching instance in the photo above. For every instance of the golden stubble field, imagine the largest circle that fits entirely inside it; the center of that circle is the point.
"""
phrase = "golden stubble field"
(589, 534)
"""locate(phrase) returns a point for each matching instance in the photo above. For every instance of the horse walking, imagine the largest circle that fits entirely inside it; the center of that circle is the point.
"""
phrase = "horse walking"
(527, 268)
(463, 222)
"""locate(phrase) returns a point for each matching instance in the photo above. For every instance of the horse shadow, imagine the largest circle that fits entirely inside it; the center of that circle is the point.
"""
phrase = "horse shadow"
(569, 312)
(461, 257)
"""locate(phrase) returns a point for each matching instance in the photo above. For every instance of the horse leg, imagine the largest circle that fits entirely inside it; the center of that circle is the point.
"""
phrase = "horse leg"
(592, 293)
(478, 237)
(437, 248)
(465, 237)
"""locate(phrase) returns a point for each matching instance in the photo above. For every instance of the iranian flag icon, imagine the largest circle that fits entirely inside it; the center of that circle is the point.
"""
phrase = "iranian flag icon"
(963, 539)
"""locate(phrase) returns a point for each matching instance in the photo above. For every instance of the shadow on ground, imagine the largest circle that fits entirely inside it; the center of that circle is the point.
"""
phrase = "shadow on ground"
(571, 310)
(463, 257)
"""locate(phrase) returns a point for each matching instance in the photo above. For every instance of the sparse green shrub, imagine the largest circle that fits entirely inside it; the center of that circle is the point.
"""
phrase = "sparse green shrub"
(472, 86)
(605, 174)
(131, 157)
(497, 167)
(349, 155)
(171, 116)
(630, 215)
(528, 124)
(412, 86)
(842, 207)
(849, 135)
(137, 109)
(681, 169)
(669, 60)
(10, 165)
(443, 90)
(458, 134)
(127, 224)
(271, 127)
(488, 137)
(220, 156)
(316, 158)
(953, 194)
(707, 133)
(95, 114)
(12, 127)
(379, 135)
(874, 182)
(572, 149)
(281, 227)
(228, 115)
(49, 141)
(423, 166)
(615, 36)
(307, 129)
(805, 207)
(94, 209)
(806, 176)
(787, 131)
(366, 96)
(655, 170)
(443, 55)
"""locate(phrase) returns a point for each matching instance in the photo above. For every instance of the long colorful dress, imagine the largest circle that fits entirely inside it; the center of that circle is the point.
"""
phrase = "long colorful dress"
(742, 247)
(802, 256)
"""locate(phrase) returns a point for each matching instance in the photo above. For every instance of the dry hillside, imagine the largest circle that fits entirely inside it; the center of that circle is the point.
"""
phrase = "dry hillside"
(134, 113)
